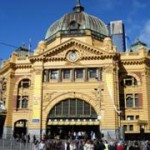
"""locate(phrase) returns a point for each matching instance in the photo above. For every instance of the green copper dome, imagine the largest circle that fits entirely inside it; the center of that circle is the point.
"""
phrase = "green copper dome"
(77, 21)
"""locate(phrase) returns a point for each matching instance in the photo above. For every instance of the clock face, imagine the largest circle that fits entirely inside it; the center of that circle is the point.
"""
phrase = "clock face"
(72, 56)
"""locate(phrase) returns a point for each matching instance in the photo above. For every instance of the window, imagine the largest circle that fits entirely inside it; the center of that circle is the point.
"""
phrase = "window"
(129, 100)
(73, 108)
(54, 74)
(74, 25)
(22, 102)
(137, 117)
(130, 127)
(137, 104)
(66, 74)
(92, 72)
(79, 73)
(132, 100)
(125, 127)
(130, 117)
(25, 102)
(129, 81)
(25, 83)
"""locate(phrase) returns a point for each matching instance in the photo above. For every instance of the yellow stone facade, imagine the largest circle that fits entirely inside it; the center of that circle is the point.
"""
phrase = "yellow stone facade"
(107, 93)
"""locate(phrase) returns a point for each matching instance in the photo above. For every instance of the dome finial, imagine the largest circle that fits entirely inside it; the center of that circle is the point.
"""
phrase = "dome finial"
(78, 2)
(78, 8)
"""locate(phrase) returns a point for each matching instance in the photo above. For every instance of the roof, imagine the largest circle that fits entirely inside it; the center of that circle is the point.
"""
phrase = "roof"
(79, 21)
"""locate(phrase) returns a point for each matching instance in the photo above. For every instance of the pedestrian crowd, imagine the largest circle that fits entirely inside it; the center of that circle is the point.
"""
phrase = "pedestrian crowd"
(82, 144)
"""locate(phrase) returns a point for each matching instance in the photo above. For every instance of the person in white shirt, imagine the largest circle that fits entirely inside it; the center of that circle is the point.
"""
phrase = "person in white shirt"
(41, 145)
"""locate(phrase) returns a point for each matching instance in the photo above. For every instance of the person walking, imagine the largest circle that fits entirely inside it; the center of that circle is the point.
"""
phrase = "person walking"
(41, 145)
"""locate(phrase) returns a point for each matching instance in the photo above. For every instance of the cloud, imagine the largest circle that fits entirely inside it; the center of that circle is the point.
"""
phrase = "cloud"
(145, 33)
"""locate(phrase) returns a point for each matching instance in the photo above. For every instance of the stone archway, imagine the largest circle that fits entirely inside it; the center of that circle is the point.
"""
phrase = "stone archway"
(70, 116)
(20, 128)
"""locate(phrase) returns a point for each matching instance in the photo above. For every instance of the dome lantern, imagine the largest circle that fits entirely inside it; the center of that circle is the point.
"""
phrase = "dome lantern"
(78, 8)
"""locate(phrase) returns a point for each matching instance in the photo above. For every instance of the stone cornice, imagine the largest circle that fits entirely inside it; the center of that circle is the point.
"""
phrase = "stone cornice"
(7, 67)
(48, 55)
(134, 61)
(23, 66)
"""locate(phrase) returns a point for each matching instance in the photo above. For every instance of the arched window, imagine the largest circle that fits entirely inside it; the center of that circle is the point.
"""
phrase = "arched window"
(129, 100)
(129, 81)
(22, 97)
(72, 108)
(25, 83)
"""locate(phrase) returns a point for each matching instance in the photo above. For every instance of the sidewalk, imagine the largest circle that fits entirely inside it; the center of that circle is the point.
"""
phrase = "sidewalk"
(13, 145)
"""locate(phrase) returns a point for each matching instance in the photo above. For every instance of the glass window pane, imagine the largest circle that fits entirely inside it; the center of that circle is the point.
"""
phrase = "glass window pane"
(86, 109)
(65, 107)
(72, 107)
(92, 73)
(125, 127)
(25, 83)
(79, 73)
(131, 127)
(66, 74)
(129, 100)
(52, 113)
(93, 114)
(58, 109)
(137, 104)
(54, 74)
(24, 103)
(80, 107)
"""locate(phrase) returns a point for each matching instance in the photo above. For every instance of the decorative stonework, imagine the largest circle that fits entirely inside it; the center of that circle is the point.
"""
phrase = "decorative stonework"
(86, 51)
(47, 97)
(37, 71)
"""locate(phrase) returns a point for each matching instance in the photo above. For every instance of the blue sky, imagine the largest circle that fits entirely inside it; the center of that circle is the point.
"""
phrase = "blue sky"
(21, 20)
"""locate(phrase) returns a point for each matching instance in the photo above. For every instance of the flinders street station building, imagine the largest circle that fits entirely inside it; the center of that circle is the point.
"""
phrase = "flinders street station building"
(76, 81)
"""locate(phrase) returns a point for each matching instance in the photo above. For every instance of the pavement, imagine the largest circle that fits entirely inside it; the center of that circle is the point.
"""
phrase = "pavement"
(14, 145)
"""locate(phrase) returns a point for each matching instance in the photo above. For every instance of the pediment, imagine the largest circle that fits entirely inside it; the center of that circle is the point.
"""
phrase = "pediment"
(84, 51)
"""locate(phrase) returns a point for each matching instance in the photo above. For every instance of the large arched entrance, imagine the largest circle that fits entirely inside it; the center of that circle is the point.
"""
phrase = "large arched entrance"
(20, 128)
(73, 118)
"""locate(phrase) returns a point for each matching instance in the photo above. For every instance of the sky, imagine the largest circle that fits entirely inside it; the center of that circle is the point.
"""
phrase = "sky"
(26, 21)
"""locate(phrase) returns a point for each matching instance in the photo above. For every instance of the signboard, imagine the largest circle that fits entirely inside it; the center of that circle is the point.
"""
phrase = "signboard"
(35, 120)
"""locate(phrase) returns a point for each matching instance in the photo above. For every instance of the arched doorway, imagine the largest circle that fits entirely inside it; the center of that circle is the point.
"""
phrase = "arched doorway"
(72, 117)
(20, 128)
